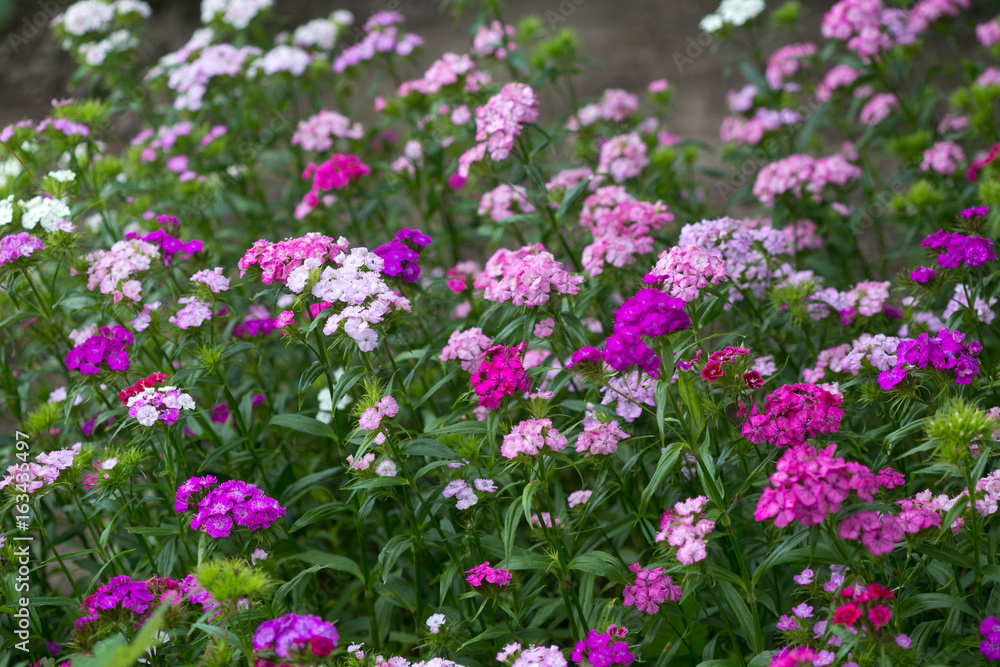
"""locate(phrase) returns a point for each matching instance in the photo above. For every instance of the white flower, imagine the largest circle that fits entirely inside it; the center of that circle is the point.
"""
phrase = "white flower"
(386, 468)
(108, 464)
(63, 176)
(6, 210)
(47, 212)
(435, 622)
(712, 23)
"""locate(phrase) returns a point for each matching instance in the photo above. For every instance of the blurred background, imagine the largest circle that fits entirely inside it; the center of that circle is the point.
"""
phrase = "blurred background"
(631, 42)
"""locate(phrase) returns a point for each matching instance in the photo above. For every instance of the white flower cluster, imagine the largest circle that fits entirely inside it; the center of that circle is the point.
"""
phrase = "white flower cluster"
(733, 12)
(97, 16)
(95, 53)
(322, 33)
(52, 214)
(237, 13)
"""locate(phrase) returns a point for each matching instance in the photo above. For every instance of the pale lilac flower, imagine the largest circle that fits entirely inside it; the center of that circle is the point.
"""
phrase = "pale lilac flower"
(578, 498)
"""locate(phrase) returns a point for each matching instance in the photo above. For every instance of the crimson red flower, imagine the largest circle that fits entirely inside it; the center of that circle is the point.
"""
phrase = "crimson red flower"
(879, 616)
(712, 371)
(753, 379)
(847, 615)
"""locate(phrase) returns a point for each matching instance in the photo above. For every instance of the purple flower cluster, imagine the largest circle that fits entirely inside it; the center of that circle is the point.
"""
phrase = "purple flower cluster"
(168, 245)
(232, 502)
(258, 322)
(649, 313)
(486, 574)
(956, 249)
(121, 593)
(295, 637)
(17, 246)
(792, 414)
(400, 255)
(602, 650)
(947, 351)
(380, 37)
(109, 346)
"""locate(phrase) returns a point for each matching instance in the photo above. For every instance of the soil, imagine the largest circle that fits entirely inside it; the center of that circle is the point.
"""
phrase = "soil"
(631, 42)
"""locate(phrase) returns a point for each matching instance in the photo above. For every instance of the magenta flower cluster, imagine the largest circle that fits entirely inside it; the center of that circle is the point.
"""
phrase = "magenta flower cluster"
(601, 649)
(294, 637)
(119, 594)
(500, 374)
(809, 484)
(649, 313)
(989, 629)
(793, 413)
(484, 574)
(18, 246)
(231, 503)
(652, 588)
(108, 347)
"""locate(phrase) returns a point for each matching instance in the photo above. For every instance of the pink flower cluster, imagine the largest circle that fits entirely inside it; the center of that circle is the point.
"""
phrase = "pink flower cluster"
(30, 477)
(750, 251)
(317, 132)
(194, 313)
(109, 346)
(371, 418)
(154, 404)
(18, 246)
(294, 637)
(622, 227)
(944, 157)
(467, 347)
(878, 108)
(839, 76)
(948, 351)
(112, 270)
(485, 574)
(793, 413)
(615, 106)
(500, 374)
(623, 157)
(751, 130)
(799, 175)
(529, 436)
(682, 271)
(334, 174)
(866, 299)
(564, 181)
(443, 72)
(500, 202)
(651, 589)
(988, 33)
(498, 123)
(785, 62)
(494, 39)
(599, 438)
(685, 529)
(232, 502)
(277, 261)
(525, 277)
(811, 483)
(381, 36)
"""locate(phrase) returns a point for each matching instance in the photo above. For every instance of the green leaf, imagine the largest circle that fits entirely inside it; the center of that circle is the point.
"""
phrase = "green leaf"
(390, 553)
(489, 633)
(737, 606)
(514, 514)
(922, 602)
(304, 424)
(696, 412)
(530, 489)
(570, 197)
(330, 562)
(668, 459)
(598, 563)
(321, 513)
(116, 652)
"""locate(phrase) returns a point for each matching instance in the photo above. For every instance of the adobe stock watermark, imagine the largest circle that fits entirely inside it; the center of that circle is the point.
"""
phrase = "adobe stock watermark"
(35, 24)
(21, 617)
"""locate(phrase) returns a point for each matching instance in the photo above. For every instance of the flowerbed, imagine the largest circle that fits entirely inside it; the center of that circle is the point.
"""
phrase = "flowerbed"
(345, 358)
